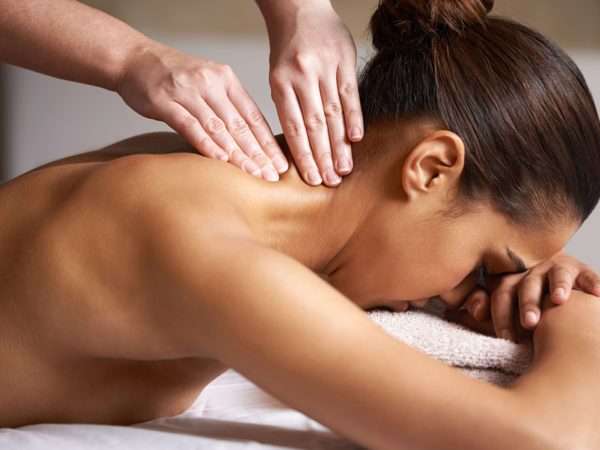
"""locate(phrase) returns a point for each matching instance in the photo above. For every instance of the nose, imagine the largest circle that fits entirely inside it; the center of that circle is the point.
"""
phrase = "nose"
(455, 297)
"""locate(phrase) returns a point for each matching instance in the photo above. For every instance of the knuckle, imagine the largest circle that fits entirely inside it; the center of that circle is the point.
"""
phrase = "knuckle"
(256, 119)
(293, 129)
(215, 125)
(204, 144)
(348, 89)
(260, 158)
(269, 144)
(304, 62)
(315, 122)
(502, 293)
(528, 301)
(237, 156)
(225, 71)
(175, 80)
(502, 316)
(561, 271)
(305, 158)
(340, 144)
(530, 282)
(591, 276)
(500, 322)
(187, 123)
(277, 83)
(333, 109)
(239, 125)
(324, 160)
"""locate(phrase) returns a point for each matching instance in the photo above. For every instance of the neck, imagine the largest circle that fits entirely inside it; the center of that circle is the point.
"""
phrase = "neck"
(314, 225)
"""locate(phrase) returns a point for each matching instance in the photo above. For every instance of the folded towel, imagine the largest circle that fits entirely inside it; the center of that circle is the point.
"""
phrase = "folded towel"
(487, 358)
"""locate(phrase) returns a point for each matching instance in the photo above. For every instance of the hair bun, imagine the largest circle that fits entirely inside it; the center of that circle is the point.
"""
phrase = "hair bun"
(401, 24)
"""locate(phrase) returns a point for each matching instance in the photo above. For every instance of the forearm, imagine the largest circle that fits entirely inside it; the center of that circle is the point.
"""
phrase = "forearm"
(300, 340)
(561, 389)
(67, 39)
(278, 13)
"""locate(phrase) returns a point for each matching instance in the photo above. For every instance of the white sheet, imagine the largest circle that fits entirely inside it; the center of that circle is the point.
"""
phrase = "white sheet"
(233, 413)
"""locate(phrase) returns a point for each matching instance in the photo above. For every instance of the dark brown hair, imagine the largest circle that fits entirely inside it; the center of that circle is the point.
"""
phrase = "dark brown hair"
(519, 103)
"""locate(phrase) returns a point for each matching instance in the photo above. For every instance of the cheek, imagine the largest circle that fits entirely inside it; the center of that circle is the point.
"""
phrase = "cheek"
(433, 264)
(393, 279)
(438, 267)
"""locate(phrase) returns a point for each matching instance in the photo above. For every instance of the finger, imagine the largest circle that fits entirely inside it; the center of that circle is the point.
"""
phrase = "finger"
(348, 89)
(178, 118)
(260, 128)
(340, 145)
(243, 136)
(561, 281)
(464, 318)
(478, 304)
(530, 292)
(589, 281)
(316, 128)
(503, 313)
(217, 130)
(292, 125)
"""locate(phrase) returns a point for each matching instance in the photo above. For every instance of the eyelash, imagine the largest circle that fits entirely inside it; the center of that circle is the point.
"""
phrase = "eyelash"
(483, 271)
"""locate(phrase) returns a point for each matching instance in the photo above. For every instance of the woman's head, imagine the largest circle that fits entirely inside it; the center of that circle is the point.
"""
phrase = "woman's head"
(475, 117)
(522, 108)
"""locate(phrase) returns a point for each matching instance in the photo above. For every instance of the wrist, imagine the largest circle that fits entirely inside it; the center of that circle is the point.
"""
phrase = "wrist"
(278, 13)
(130, 58)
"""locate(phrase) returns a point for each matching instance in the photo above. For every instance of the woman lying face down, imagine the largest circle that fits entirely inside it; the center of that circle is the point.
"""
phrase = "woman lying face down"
(134, 275)
(492, 160)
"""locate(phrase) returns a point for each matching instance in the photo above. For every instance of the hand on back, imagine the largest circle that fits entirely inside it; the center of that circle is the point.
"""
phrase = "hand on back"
(206, 103)
(314, 87)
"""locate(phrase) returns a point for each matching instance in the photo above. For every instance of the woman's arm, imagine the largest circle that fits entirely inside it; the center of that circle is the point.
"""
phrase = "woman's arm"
(562, 387)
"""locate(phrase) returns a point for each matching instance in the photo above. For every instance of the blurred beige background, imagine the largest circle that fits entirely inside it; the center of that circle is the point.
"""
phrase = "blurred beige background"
(570, 23)
(42, 119)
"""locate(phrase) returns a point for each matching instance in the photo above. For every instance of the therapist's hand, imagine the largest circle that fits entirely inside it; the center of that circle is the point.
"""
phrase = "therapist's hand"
(205, 102)
(314, 86)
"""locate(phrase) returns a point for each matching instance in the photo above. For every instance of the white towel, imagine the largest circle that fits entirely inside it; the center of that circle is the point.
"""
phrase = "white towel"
(487, 358)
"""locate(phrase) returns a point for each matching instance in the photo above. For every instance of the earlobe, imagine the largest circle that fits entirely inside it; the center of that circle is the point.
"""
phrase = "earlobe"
(435, 163)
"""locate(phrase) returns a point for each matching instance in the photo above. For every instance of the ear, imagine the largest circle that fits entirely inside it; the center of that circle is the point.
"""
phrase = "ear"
(435, 164)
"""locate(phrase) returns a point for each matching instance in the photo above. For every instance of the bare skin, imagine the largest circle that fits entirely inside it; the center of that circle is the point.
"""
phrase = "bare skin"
(130, 282)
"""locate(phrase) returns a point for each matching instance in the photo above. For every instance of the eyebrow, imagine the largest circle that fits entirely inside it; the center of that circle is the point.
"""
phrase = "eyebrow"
(517, 260)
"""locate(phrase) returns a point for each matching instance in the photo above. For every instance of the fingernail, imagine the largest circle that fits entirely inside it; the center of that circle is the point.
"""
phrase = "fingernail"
(476, 310)
(355, 133)
(269, 174)
(332, 177)
(250, 167)
(313, 177)
(280, 164)
(343, 165)
(559, 292)
(505, 334)
(531, 318)
(222, 155)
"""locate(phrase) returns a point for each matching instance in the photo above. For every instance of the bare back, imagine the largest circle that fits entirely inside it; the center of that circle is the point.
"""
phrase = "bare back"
(65, 246)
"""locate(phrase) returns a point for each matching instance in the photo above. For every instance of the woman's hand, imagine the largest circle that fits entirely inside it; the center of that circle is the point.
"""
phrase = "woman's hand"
(206, 103)
(503, 295)
(314, 86)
